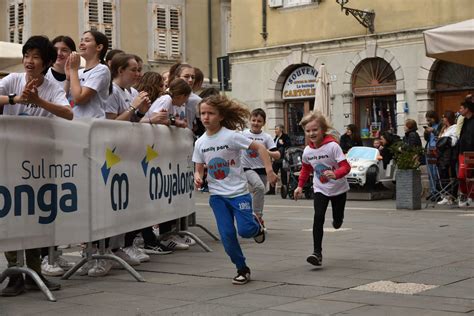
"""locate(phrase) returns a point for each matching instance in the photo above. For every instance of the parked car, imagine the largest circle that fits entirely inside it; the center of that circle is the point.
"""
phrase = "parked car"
(367, 168)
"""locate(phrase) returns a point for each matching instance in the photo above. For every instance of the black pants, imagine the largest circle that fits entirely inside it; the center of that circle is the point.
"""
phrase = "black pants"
(321, 202)
(278, 166)
(148, 235)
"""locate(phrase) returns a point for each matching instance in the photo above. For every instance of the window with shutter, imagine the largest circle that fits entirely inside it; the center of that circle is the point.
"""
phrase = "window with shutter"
(100, 16)
(16, 21)
(167, 35)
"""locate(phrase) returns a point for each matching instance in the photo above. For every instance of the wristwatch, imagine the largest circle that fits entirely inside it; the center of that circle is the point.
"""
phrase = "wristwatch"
(11, 98)
(172, 119)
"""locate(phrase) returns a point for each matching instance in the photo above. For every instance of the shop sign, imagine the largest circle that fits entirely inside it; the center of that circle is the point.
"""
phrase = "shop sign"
(300, 84)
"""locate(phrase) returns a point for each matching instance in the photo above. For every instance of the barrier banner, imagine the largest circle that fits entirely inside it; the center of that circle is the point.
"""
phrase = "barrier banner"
(65, 182)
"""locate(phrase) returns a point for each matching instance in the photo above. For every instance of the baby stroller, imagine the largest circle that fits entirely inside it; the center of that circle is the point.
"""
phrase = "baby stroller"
(292, 163)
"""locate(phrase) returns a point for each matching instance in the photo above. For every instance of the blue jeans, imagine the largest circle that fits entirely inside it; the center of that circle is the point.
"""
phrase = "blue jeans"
(433, 178)
(225, 210)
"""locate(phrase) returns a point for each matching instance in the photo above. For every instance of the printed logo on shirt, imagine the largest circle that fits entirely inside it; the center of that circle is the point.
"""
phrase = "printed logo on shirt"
(252, 153)
(219, 168)
(320, 169)
(182, 116)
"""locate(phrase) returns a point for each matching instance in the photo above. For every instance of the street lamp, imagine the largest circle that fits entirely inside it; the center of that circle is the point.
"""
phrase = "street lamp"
(366, 18)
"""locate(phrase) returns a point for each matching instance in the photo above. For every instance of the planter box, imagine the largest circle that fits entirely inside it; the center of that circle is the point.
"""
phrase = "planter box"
(409, 189)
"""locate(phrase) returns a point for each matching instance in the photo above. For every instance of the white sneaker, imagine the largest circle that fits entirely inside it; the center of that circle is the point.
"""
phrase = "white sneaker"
(136, 253)
(84, 270)
(64, 246)
(186, 240)
(444, 201)
(174, 244)
(51, 270)
(156, 250)
(100, 268)
(64, 264)
(139, 242)
(464, 203)
(125, 257)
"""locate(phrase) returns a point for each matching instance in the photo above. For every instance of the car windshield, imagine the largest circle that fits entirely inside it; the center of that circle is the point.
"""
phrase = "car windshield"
(362, 153)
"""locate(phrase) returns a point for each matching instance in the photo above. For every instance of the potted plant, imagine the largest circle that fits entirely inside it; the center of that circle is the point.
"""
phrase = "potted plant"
(408, 175)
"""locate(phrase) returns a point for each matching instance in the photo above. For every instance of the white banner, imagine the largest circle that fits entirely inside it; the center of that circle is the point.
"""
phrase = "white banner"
(65, 182)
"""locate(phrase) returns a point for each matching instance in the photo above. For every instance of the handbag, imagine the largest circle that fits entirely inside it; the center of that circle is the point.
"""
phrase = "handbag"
(443, 143)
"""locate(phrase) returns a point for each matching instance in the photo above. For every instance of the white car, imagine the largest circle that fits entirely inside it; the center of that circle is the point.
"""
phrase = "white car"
(367, 167)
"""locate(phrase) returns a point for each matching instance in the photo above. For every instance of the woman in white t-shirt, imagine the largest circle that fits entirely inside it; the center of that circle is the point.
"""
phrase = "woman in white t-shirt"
(169, 109)
(91, 86)
(120, 104)
(325, 158)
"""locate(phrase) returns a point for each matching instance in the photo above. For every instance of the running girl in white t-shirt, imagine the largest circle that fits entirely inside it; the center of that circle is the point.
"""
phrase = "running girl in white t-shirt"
(169, 109)
(219, 148)
(253, 164)
(91, 86)
(325, 158)
(120, 104)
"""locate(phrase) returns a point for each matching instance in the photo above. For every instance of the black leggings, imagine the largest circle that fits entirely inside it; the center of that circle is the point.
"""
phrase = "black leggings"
(321, 202)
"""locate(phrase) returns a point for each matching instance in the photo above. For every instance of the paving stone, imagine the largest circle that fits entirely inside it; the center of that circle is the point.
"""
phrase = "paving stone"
(317, 307)
(205, 309)
(394, 311)
(300, 291)
(253, 300)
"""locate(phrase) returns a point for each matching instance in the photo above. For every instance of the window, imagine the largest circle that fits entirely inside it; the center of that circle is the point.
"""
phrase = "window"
(16, 21)
(100, 15)
(167, 32)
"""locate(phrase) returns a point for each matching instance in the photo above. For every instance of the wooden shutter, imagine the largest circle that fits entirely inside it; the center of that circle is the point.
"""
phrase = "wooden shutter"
(101, 17)
(167, 32)
(108, 13)
(16, 21)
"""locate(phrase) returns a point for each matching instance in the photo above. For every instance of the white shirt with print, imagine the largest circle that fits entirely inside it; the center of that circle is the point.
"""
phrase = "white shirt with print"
(221, 153)
(166, 103)
(97, 79)
(48, 90)
(325, 158)
(192, 109)
(250, 158)
(119, 101)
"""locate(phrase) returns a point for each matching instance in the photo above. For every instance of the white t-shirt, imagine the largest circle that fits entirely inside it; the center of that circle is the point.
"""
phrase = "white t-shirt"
(325, 158)
(165, 102)
(48, 90)
(97, 79)
(192, 109)
(119, 101)
(250, 158)
(221, 153)
(134, 92)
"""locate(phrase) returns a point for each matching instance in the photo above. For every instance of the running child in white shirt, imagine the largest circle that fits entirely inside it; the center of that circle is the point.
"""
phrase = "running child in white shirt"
(253, 164)
(325, 158)
(219, 148)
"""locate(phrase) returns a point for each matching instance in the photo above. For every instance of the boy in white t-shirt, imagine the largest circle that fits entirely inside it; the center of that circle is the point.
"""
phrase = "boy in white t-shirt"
(253, 164)
(325, 158)
(30, 93)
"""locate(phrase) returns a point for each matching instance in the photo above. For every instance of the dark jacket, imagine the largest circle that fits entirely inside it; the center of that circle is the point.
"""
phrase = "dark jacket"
(347, 143)
(412, 138)
(282, 144)
(466, 139)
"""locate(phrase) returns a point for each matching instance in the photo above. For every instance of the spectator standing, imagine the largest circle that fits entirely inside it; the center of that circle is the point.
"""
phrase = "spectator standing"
(282, 142)
(30, 93)
(350, 138)
(466, 143)
(91, 86)
(446, 163)
(64, 46)
(430, 135)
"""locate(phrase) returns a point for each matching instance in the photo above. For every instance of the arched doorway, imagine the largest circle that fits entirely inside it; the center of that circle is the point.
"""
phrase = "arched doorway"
(374, 106)
(452, 82)
(298, 95)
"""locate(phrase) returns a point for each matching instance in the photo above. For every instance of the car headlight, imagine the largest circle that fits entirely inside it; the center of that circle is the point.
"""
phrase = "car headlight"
(361, 168)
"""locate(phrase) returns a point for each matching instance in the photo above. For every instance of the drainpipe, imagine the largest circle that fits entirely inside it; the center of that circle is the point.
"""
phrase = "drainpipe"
(209, 36)
(264, 20)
